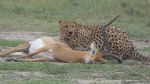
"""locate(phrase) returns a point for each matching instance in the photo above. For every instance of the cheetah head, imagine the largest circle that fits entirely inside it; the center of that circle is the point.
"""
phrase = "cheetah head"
(67, 28)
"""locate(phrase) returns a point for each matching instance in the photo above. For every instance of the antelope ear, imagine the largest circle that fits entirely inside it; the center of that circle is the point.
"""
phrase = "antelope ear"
(59, 21)
(92, 46)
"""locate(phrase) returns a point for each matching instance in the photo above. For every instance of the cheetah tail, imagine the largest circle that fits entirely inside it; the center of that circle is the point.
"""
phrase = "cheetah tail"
(140, 57)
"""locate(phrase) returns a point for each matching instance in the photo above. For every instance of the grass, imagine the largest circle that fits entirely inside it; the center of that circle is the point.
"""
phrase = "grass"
(43, 16)
(30, 79)
(72, 71)
(145, 49)
(10, 43)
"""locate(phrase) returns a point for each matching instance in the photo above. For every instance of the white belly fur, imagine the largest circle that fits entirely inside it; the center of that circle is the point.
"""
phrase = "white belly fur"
(36, 45)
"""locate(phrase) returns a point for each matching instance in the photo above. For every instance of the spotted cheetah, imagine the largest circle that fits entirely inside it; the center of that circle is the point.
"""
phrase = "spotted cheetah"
(79, 37)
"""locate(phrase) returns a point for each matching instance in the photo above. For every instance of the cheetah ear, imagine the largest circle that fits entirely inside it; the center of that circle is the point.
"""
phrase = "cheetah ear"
(59, 21)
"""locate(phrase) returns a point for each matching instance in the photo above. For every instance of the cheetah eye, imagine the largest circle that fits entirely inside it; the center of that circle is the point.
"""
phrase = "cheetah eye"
(73, 26)
(66, 26)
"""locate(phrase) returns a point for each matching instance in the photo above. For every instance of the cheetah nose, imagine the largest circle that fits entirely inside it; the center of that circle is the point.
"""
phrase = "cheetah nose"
(70, 33)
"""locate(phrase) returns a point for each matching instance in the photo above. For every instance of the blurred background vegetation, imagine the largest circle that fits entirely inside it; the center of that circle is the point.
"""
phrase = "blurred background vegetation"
(43, 15)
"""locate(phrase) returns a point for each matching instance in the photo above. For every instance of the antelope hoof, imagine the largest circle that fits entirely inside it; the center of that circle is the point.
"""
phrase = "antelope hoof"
(16, 60)
(9, 59)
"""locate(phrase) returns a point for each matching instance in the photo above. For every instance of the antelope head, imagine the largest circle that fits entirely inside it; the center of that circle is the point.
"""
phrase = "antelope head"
(94, 55)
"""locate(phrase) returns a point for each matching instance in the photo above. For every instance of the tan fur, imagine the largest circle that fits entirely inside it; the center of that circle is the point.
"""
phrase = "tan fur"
(60, 51)
(47, 40)
(16, 49)
(64, 53)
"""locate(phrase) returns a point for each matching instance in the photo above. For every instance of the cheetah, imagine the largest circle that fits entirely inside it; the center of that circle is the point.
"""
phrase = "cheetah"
(79, 37)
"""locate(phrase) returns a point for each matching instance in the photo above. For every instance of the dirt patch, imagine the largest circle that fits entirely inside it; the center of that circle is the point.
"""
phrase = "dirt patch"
(27, 73)
(104, 81)
(131, 62)
(23, 35)
(20, 76)
(141, 44)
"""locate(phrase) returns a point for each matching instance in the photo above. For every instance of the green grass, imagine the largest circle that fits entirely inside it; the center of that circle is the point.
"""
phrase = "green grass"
(37, 15)
(145, 49)
(15, 78)
(74, 71)
(10, 43)
(43, 16)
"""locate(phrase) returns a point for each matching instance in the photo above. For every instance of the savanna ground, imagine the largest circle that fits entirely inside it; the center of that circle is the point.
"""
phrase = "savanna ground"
(26, 20)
